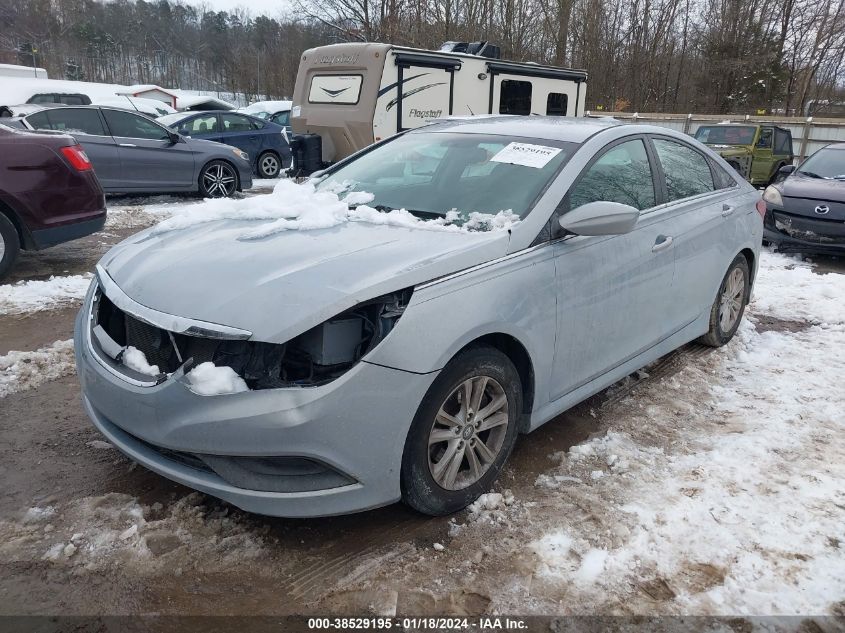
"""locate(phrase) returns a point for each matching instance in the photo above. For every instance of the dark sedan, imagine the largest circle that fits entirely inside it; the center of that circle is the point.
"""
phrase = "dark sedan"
(805, 212)
(265, 142)
(48, 193)
(132, 153)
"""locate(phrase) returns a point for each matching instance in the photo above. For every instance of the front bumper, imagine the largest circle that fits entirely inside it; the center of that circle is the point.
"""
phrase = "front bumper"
(245, 174)
(355, 425)
(793, 233)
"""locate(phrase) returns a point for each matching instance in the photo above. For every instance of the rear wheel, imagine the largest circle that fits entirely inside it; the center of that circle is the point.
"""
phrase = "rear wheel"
(269, 165)
(726, 312)
(218, 179)
(463, 432)
(9, 245)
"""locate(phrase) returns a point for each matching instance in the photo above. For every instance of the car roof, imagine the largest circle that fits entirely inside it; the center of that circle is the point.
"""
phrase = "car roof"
(93, 106)
(558, 128)
(837, 146)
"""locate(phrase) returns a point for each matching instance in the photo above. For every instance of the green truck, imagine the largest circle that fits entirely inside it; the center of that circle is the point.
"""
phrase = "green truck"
(755, 151)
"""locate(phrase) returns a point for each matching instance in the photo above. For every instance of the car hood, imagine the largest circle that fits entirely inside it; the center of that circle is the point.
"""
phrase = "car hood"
(800, 186)
(280, 286)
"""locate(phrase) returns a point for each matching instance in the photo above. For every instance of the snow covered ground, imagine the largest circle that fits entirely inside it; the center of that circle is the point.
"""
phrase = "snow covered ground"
(714, 488)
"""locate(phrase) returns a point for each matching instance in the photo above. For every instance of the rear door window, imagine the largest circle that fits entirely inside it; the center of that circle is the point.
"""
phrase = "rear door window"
(205, 124)
(783, 142)
(72, 120)
(622, 174)
(687, 172)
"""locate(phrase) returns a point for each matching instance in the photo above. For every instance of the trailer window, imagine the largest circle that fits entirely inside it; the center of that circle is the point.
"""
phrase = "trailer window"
(515, 97)
(345, 89)
(556, 104)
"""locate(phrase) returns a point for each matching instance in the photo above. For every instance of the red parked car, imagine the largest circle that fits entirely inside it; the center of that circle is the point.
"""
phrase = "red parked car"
(48, 193)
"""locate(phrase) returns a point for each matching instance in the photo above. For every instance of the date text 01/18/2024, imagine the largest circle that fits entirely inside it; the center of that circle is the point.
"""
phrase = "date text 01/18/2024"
(417, 623)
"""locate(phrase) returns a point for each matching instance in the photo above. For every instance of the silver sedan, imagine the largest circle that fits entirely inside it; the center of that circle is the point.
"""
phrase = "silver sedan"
(376, 362)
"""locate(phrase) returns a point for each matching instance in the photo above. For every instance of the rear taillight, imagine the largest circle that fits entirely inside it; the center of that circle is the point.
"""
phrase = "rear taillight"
(761, 208)
(77, 157)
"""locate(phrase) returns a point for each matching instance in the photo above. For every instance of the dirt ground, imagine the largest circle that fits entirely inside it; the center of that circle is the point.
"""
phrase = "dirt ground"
(65, 490)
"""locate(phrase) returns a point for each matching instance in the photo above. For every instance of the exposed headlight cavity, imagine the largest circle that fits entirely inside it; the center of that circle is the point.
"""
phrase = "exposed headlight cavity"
(319, 355)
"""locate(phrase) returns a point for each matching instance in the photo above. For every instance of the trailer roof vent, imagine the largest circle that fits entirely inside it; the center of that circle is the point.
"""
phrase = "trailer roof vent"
(482, 49)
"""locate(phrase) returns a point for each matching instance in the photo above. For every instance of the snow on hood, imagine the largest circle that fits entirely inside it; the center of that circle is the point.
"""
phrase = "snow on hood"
(279, 264)
(301, 207)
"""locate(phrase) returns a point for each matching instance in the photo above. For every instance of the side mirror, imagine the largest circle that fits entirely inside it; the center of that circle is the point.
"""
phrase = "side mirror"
(786, 170)
(174, 137)
(600, 218)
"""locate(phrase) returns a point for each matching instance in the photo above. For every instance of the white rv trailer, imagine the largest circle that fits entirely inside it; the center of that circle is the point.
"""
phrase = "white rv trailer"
(351, 95)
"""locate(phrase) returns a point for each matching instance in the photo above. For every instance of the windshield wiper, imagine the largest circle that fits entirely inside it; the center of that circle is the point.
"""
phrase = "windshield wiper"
(811, 174)
(428, 214)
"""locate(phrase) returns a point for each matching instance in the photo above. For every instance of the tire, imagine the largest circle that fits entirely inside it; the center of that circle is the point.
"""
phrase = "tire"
(269, 165)
(441, 414)
(10, 245)
(218, 179)
(729, 305)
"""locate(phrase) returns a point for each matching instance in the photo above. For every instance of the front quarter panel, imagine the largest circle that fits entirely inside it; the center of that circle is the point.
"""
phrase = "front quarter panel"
(514, 295)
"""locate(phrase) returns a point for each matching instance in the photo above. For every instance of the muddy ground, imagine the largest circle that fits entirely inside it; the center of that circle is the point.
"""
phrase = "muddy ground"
(66, 492)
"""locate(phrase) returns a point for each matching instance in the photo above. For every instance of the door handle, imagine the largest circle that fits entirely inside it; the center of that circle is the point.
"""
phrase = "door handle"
(127, 145)
(727, 210)
(253, 138)
(662, 242)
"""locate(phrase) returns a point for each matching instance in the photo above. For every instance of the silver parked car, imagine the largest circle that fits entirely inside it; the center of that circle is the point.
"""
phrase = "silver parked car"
(388, 362)
(131, 153)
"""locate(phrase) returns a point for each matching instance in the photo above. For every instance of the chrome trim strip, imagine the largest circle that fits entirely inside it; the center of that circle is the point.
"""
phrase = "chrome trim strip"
(95, 354)
(169, 322)
(472, 269)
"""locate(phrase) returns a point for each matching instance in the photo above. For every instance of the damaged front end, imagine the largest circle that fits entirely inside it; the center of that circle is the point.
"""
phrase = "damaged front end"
(315, 357)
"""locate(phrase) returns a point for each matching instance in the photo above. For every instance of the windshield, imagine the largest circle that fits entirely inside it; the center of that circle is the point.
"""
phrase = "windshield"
(433, 173)
(825, 163)
(726, 134)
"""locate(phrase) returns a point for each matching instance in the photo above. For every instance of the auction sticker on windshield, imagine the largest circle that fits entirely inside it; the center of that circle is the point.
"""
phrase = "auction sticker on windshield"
(537, 156)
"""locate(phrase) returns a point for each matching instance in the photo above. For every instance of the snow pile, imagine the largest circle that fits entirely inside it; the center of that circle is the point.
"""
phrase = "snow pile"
(135, 359)
(721, 488)
(300, 207)
(561, 556)
(114, 529)
(34, 296)
(209, 380)
(27, 370)
(787, 288)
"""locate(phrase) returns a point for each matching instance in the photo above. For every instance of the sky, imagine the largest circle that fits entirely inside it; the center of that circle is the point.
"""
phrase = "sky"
(256, 7)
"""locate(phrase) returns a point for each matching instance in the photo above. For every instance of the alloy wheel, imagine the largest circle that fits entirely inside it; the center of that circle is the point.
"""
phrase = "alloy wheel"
(219, 180)
(468, 433)
(730, 302)
(269, 166)
(2, 247)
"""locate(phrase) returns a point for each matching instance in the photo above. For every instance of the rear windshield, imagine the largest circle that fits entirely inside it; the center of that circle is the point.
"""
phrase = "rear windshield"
(433, 173)
(335, 89)
(726, 134)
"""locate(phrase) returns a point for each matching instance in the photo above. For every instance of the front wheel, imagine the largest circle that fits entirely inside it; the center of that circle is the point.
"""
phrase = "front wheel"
(9, 244)
(726, 311)
(269, 165)
(463, 432)
(218, 179)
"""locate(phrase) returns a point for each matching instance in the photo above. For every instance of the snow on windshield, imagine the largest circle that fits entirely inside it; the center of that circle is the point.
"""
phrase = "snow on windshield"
(293, 207)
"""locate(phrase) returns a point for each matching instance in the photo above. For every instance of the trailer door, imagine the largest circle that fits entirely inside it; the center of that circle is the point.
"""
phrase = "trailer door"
(423, 90)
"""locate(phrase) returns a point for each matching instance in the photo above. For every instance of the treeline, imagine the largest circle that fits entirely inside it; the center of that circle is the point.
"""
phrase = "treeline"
(709, 56)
